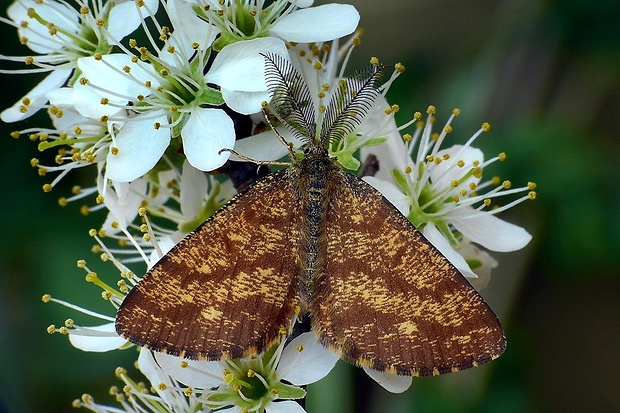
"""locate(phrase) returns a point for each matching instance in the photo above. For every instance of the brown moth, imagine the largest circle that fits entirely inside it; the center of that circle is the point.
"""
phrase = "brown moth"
(313, 241)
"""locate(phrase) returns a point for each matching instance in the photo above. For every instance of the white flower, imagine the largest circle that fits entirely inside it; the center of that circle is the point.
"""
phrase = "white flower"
(292, 21)
(167, 99)
(136, 398)
(258, 384)
(60, 35)
(440, 191)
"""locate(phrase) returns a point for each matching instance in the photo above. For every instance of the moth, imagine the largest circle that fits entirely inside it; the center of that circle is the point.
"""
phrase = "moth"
(313, 241)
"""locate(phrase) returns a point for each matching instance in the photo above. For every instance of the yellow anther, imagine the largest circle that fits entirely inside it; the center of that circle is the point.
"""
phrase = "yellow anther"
(399, 67)
(91, 277)
(531, 195)
(408, 169)
(69, 323)
(47, 188)
(501, 156)
(486, 127)
(51, 329)
(447, 129)
(87, 398)
(456, 111)
(374, 61)
(46, 298)
(531, 186)
(506, 184)
(431, 110)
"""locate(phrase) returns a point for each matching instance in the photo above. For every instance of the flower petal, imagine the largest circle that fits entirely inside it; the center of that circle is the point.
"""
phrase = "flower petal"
(440, 242)
(489, 231)
(205, 133)
(244, 102)
(115, 77)
(308, 366)
(194, 375)
(37, 96)
(391, 193)
(123, 209)
(484, 263)
(107, 341)
(188, 27)
(149, 367)
(194, 186)
(446, 172)
(125, 17)
(317, 24)
(390, 382)
(140, 145)
(284, 406)
(40, 40)
(240, 67)
(265, 146)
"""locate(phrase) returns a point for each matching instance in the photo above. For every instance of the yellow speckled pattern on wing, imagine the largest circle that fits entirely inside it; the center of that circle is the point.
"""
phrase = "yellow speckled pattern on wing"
(226, 290)
(389, 300)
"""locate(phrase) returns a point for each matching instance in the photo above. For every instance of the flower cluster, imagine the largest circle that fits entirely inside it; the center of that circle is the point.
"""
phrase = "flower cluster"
(151, 94)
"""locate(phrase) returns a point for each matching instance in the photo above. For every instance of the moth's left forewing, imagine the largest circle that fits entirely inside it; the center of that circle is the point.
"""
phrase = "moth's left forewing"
(389, 300)
(227, 289)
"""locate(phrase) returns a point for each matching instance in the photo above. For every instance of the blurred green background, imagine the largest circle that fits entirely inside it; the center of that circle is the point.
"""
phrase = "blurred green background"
(545, 74)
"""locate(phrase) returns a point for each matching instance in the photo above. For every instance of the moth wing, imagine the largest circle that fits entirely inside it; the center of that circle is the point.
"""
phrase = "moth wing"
(227, 289)
(389, 300)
